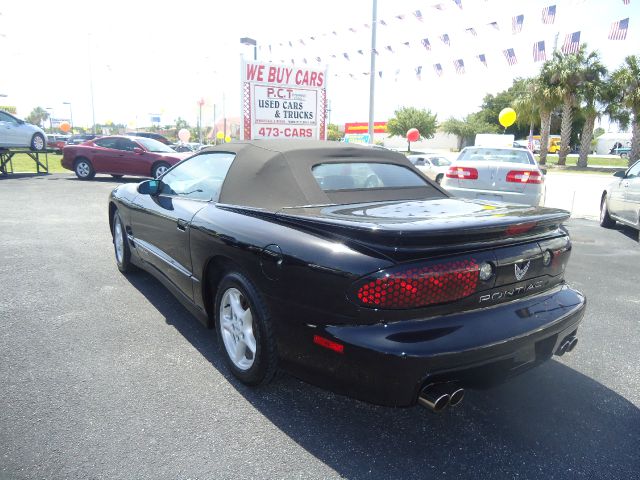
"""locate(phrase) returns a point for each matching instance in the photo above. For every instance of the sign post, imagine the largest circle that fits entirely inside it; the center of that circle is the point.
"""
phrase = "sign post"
(283, 102)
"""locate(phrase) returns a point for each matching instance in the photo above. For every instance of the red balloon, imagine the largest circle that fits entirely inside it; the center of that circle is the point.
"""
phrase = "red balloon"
(413, 135)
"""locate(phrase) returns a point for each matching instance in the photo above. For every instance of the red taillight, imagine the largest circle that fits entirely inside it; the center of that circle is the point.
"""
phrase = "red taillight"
(326, 343)
(521, 228)
(462, 173)
(524, 176)
(420, 286)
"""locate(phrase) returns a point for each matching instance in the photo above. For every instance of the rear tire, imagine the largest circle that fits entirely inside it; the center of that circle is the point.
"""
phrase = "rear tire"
(605, 220)
(121, 245)
(439, 178)
(159, 168)
(83, 168)
(37, 142)
(244, 330)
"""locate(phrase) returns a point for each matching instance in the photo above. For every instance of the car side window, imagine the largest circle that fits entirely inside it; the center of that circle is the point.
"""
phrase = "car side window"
(104, 142)
(125, 144)
(6, 118)
(198, 177)
(634, 171)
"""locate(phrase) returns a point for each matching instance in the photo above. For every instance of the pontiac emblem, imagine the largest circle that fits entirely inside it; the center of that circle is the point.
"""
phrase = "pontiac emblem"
(521, 272)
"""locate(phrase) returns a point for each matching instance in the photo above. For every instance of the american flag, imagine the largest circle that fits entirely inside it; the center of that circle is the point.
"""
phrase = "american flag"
(438, 68)
(483, 59)
(571, 43)
(459, 66)
(438, 6)
(389, 47)
(426, 44)
(472, 31)
(445, 39)
(494, 25)
(418, 14)
(619, 30)
(539, 54)
(419, 72)
(458, 3)
(516, 23)
(345, 55)
(510, 55)
(626, 2)
(383, 23)
(549, 14)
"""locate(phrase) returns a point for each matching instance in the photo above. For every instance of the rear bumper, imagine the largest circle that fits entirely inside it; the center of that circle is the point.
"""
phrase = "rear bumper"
(389, 364)
(534, 198)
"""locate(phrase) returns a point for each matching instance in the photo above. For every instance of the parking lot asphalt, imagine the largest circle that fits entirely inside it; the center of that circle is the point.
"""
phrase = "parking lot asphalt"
(107, 376)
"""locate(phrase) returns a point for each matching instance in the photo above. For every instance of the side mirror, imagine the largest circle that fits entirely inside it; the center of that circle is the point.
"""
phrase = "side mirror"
(149, 187)
(138, 150)
(544, 171)
(619, 174)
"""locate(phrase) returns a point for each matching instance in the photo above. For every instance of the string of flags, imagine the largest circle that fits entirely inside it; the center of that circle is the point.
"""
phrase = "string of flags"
(618, 31)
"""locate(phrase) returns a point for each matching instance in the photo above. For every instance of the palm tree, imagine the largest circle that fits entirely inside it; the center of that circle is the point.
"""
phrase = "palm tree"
(626, 80)
(597, 96)
(538, 99)
(566, 73)
(37, 116)
(525, 103)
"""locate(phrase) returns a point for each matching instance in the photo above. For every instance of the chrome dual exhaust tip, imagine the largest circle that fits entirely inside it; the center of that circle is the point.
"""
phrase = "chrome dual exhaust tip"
(567, 345)
(437, 397)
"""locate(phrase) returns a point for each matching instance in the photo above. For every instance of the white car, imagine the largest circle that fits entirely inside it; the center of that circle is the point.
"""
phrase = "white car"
(18, 133)
(509, 175)
(433, 165)
(620, 202)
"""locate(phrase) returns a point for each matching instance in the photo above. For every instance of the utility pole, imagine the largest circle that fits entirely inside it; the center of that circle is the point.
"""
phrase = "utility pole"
(372, 73)
(93, 110)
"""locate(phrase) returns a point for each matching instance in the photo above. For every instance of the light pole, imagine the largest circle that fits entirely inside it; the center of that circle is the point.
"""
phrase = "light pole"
(200, 104)
(49, 110)
(70, 114)
(251, 42)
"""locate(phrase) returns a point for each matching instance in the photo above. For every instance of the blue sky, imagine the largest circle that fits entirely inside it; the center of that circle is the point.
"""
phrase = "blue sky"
(152, 57)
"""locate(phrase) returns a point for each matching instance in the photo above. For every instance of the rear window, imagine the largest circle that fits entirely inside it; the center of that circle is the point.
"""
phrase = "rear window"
(364, 175)
(496, 155)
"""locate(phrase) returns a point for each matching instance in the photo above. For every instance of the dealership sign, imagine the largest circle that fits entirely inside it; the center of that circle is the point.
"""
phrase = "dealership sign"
(281, 101)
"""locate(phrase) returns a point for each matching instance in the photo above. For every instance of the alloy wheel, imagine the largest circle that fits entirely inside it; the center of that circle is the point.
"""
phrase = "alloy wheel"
(236, 326)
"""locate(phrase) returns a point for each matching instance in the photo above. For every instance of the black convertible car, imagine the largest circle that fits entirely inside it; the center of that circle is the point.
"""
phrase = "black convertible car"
(347, 267)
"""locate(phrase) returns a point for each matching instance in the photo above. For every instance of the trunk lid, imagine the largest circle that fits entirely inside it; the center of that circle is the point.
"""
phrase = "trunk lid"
(493, 176)
(412, 229)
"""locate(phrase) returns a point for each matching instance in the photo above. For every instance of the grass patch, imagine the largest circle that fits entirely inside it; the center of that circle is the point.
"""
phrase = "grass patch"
(592, 160)
(22, 163)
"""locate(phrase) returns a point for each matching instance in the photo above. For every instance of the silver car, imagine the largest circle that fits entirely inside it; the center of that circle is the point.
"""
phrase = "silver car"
(620, 202)
(433, 165)
(509, 175)
(18, 133)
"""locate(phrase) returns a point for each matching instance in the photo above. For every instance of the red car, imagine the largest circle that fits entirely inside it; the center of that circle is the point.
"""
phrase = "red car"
(120, 155)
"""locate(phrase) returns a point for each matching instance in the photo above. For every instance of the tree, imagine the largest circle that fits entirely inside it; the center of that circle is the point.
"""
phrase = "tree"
(626, 80)
(467, 128)
(406, 118)
(493, 104)
(181, 123)
(334, 133)
(596, 95)
(526, 104)
(566, 72)
(37, 116)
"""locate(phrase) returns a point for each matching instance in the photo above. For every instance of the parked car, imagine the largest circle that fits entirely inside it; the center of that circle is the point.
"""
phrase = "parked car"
(16, 133)
(392, 291)
(118, 156)
(152, 135)
(433, 165)
(509, 175)
(57, 142)
(620, 202)
(622, 151)
(80, 138)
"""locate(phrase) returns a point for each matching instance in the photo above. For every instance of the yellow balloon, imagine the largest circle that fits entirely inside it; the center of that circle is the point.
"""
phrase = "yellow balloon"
(507, 117)
(220, 135)
(227, 139)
